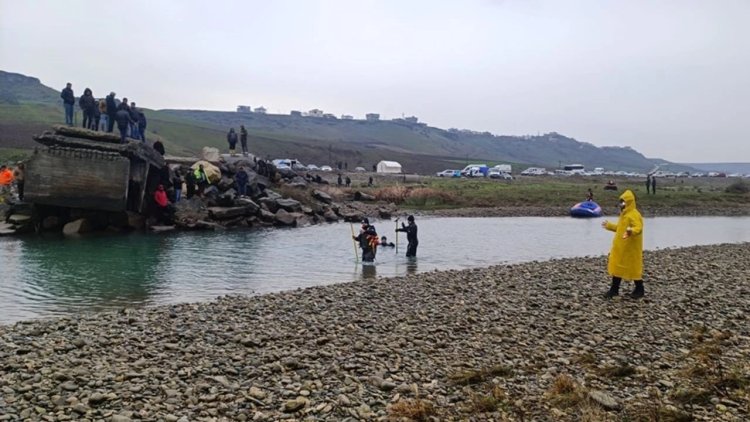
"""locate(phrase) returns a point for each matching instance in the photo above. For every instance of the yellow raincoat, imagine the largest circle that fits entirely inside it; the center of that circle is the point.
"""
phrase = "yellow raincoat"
(626, 256)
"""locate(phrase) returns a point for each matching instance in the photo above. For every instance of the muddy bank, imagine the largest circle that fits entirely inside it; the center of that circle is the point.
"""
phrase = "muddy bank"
(532, 341)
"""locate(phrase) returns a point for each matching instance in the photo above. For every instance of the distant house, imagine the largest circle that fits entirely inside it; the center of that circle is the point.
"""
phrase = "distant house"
(372, 117)
(315, 113)
(388, 167)
(260, 110)
(329, 116)
(296, 113)
(347, 117)
(244, 109)
(411, 119)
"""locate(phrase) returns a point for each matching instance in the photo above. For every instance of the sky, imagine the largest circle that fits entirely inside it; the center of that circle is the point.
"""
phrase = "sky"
(669, 78)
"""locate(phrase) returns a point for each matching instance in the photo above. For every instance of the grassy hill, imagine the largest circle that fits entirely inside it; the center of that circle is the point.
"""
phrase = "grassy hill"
(27, 107)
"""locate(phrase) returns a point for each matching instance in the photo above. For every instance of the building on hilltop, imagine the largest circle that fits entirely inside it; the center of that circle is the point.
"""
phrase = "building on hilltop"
(296, 113)
(329, 116)
(372, 117)
(315, 113)
(347, 117)
(260, 110)
(411, 119)
(244, 109)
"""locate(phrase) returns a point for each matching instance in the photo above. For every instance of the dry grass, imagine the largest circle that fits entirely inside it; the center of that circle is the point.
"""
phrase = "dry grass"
(590, 412)
(491, 402)
(585, 359)
(396, 193)
(565, 392)
(414, 409)
(699, 396)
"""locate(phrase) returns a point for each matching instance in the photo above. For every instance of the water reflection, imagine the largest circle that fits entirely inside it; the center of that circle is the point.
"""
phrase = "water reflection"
(369, 271)
(411, 265)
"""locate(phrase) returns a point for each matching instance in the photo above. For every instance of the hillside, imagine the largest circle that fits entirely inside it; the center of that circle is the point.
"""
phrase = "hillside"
(27, 107)
(728, 168)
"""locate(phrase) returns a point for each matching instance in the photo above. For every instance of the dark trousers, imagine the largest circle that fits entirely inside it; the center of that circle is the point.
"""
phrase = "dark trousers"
(110, 122)
(241, 189)
(95, 125)
(123, 133)
(88, 119)
(368, 255)
(244, 145)
(411, 249)
(142, 133)
(19, 185)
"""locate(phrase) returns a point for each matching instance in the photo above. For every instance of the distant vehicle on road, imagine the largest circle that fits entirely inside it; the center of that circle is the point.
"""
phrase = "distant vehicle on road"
(312, 167)
(497, 174)
(449, 173)
(534, 171)
(326, 168)
(360, 169)
(475, 170)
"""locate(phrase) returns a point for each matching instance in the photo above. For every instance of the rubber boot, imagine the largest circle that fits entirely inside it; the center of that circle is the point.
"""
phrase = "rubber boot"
(614, 289)
(638, 292)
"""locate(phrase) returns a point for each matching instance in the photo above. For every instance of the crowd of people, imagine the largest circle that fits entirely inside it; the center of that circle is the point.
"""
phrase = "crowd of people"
(368, 239)
(104, 113)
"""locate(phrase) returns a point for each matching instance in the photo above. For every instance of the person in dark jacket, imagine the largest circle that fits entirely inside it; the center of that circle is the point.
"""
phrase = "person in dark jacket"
(142, 126)
(340, 180)
(97, 117)
(411, 236)
(133, 121)
(69, 101)
(159, 147)
(111, 111)
(190, 183)
(87, 102)
(122, 117)
(348, 181)
(232, 140)
(653, 185)
(368, 241)
(177, 185)
(241, 179)
(648, 184)
(243, 139)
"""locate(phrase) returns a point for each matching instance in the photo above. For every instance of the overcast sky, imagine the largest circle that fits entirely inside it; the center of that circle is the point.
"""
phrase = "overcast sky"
(668, 78)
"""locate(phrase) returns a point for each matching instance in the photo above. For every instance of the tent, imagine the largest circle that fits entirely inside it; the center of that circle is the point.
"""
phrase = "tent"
(388, 167)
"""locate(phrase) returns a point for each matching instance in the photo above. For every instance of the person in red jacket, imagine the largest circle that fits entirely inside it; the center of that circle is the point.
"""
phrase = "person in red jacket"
(162, 204)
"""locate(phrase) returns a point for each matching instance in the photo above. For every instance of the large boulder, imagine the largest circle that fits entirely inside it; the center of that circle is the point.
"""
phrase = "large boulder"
(351, 215)
(270, 204)
(288, 204)
(284, 218)
(361, 196)
(225, 183)
(211, 154)
(226, 199)
(322, 196)
(225, 213)
(80, 226)
(330, 216)
(248, 203)
(190, 210)
(267, 216)
(212, 172)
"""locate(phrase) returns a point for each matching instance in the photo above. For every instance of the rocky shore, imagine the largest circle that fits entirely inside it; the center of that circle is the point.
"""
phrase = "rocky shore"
(520, 342)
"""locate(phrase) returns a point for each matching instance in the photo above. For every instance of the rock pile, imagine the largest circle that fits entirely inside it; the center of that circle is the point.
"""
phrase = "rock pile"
(524, 342)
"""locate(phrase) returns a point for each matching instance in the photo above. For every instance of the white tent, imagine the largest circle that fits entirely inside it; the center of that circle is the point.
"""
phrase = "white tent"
(389, 167)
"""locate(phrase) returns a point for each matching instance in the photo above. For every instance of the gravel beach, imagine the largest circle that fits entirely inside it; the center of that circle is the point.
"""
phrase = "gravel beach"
(533, 341)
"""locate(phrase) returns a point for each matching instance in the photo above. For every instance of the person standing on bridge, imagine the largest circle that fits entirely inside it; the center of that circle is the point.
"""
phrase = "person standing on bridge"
(626, 256)
(243, 139)
(69, 101)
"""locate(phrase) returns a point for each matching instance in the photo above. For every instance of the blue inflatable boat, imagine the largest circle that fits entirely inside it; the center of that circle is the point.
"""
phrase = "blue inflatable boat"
(586, 209)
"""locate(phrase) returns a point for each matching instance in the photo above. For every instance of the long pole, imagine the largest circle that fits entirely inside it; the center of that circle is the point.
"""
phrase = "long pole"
(356, 254)
(396, 236)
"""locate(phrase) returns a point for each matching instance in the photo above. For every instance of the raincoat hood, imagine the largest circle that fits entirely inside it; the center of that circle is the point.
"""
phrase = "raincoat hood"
(629, 198)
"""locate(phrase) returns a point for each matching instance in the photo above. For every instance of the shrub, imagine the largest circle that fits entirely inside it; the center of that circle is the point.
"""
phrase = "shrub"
(738, 187)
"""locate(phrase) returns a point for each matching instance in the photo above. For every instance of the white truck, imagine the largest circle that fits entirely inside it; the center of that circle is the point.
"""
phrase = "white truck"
(502, 168)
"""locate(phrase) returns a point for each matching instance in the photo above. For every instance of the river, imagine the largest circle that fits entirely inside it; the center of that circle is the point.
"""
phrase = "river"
(52, 276)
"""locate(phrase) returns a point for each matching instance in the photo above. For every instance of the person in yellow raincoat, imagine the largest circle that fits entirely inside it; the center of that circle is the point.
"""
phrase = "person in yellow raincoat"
(626, 256)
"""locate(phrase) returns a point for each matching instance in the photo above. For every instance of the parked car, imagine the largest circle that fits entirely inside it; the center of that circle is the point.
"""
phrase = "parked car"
(449, 173)
(326, 168)
(360, 169)
(497, 174)
(313, 167)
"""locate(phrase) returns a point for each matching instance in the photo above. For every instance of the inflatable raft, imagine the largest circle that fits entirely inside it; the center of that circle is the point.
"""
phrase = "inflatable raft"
(586, 209)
